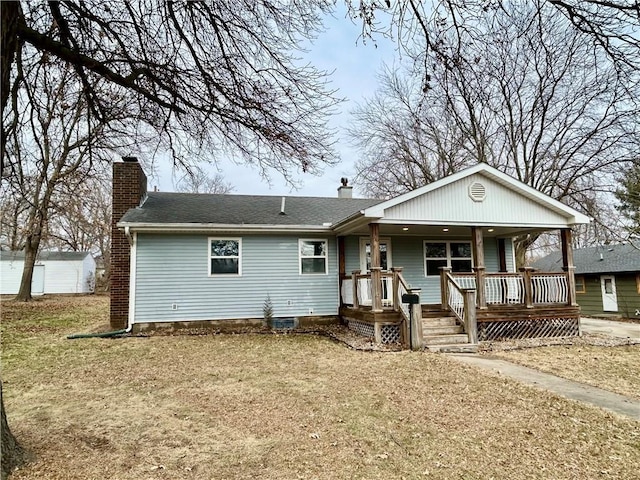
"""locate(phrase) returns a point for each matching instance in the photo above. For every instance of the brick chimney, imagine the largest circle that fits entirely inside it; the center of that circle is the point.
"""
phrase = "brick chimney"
(345, 191)
(128, 191)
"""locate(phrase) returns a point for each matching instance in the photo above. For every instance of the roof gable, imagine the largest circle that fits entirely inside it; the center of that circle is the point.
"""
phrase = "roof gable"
(506, 202)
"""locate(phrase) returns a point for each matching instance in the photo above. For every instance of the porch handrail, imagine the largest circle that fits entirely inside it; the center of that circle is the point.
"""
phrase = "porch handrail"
(462, 303)
(400, 288)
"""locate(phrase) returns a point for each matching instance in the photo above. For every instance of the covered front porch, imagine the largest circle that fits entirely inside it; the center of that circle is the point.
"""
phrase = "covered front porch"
(454, 265)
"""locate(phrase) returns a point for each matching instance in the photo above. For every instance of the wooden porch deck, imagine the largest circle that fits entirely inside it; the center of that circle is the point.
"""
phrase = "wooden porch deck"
(512, 305)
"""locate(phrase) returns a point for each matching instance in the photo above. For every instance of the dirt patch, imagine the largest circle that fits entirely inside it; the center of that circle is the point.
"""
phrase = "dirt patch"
(283, 406)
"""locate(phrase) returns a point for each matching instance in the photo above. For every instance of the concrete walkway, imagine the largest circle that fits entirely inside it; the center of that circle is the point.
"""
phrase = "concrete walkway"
(610, 327)
(620, 404)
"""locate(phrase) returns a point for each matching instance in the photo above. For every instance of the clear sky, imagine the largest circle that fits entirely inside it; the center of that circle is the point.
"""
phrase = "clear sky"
(355, 64)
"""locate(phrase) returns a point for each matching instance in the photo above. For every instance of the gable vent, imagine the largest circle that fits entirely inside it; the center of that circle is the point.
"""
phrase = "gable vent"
(477, 192)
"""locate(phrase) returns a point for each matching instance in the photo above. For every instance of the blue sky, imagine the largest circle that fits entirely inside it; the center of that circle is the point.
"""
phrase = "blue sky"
(355, 64)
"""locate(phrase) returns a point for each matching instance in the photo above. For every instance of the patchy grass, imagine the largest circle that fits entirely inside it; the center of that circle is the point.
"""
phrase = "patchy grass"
(616, 369)
(281, 407)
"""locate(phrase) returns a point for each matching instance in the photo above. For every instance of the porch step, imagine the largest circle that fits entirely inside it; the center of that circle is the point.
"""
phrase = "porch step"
(449, 339)
(430, 331)
(439, 322)
(454, 348)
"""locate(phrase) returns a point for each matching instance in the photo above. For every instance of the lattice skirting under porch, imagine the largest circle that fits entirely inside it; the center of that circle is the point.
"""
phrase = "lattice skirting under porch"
(362, 328)
(538, 328)
(387, 333)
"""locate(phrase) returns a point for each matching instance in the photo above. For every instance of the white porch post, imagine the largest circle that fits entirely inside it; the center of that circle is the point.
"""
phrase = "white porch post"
(376, 277)
(567, 264)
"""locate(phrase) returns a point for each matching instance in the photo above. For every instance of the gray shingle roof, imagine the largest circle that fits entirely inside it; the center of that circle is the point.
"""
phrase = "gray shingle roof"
(603, 259)
(49, 256)
(184, 208)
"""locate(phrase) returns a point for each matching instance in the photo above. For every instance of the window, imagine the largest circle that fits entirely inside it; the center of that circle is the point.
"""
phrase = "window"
(313, 256)
(581, 286)
(224, 256)
(456, 255)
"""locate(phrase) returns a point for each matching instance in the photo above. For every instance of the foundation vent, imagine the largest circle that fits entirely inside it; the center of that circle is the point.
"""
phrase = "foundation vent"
(477, 192)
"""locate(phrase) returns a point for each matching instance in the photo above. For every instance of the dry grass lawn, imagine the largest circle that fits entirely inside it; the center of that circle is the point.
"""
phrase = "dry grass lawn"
(281, 407)
(616, 369)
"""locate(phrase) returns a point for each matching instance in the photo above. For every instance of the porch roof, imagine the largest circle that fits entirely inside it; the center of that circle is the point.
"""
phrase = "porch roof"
(478, 196)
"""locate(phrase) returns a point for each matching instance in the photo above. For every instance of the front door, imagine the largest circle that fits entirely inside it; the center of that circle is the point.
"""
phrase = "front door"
(365, 254)
(609, 297)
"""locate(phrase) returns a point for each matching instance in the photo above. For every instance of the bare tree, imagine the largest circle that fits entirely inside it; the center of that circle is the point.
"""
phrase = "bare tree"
(208, 78)
(524, 93)
(56, 146)
(197, 180)
(610, 26)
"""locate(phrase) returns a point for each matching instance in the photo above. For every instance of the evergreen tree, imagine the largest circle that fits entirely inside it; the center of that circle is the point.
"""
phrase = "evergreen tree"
(629, 197)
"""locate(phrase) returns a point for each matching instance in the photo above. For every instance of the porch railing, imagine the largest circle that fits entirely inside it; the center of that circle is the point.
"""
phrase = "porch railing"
(525, 288)
(362, 290)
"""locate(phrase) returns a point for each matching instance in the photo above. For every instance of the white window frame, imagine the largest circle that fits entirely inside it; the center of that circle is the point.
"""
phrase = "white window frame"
(448, 257)
(239, 257)
(325, 256)
(363, 252)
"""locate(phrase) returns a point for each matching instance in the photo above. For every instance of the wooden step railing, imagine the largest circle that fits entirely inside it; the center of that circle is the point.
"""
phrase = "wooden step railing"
(461, 302)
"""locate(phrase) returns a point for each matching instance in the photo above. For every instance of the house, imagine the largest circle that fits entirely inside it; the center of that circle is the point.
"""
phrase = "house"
(182, 258)
(54, 272)
(607, 278)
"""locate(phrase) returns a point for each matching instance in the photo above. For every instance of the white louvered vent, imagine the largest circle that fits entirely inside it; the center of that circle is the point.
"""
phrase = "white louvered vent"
(477, 192)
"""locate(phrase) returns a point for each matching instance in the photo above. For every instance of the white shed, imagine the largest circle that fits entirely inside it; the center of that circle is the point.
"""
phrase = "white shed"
(54, 272)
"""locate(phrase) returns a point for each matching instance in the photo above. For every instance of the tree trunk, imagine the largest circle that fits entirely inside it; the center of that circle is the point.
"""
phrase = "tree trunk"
(13, 455)
(522, 244)
(30, 251)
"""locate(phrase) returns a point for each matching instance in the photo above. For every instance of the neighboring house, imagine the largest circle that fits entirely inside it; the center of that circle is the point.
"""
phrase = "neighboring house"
(179, 258)
(54, 272)
(607, 278)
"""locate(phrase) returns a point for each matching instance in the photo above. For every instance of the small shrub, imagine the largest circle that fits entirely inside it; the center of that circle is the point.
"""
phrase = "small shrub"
(267, 312)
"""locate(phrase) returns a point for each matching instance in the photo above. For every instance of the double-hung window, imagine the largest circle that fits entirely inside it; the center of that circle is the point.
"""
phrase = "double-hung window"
(456, 255)
(225, 255)
(313, 256)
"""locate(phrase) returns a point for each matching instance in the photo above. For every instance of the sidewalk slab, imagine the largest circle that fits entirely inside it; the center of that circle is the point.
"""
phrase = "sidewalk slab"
(620, 404)
(610, 327)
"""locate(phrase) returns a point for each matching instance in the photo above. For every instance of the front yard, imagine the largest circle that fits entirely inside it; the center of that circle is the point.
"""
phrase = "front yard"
(280, 407)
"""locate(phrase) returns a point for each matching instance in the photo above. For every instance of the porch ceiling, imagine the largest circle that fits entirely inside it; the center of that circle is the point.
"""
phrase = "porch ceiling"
(452, 231)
